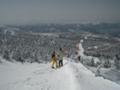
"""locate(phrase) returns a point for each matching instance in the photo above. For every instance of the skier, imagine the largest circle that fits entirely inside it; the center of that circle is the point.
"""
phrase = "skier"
(60, 57)
(54, 60)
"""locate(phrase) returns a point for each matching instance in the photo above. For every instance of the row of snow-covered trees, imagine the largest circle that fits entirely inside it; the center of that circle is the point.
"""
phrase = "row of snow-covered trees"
(29, 47)
(105, 62)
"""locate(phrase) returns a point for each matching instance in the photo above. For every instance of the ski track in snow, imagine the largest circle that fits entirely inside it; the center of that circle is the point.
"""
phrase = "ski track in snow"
(72, 76)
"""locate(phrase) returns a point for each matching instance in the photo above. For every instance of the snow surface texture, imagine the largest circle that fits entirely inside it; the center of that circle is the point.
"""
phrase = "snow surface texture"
(72, 76)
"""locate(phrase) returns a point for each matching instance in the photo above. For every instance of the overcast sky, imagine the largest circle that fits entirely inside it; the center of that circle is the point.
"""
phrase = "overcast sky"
(58, 11)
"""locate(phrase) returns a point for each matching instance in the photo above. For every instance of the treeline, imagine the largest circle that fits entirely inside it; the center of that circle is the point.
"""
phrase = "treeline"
(27, 47)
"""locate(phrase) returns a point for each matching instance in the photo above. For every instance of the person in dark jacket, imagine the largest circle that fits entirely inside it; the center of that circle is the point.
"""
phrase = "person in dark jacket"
(60, 57)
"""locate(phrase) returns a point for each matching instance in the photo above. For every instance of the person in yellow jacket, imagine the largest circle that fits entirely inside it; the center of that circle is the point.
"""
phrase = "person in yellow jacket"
(54, 60)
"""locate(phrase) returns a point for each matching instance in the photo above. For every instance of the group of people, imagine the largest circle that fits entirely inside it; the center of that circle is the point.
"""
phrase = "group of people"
(57, 58)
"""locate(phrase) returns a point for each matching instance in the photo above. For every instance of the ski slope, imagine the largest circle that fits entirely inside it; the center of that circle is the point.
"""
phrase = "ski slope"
(72, 76)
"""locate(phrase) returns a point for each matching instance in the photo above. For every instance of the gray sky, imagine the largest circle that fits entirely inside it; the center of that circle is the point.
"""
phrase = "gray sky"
(59, 11)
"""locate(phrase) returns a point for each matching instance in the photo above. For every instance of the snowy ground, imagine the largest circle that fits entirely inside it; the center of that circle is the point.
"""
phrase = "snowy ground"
(73, 76)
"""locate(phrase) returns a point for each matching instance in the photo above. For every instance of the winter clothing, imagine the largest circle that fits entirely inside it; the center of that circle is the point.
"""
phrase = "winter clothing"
(60, 58)
(54, 60)
(60, 63)
(79, 58)
(60, 55)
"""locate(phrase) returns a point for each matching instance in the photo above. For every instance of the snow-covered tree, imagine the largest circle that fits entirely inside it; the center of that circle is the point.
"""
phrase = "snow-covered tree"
(117, 62)
(107, 63)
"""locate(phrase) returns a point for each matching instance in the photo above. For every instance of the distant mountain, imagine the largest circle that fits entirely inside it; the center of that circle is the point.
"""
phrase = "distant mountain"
(112, 29)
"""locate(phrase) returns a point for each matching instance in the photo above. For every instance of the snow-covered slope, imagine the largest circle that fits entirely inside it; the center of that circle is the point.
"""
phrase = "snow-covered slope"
(88, 81)
(72, 76)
